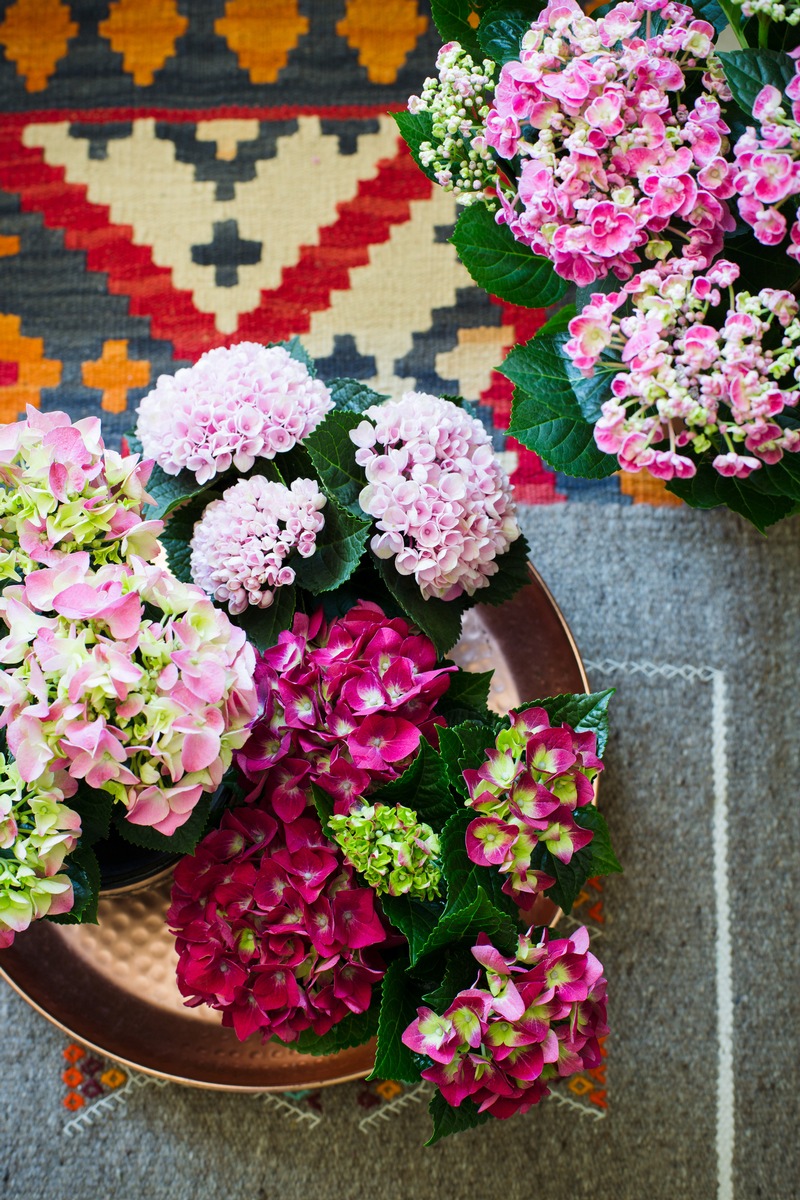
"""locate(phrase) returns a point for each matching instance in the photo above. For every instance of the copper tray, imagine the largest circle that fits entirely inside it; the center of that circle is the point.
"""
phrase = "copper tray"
(112, 986)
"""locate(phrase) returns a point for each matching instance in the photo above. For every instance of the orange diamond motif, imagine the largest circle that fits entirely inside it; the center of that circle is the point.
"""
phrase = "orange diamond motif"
(114, 373)
(113, 1077)
(35, 35)
(144, 32)
(32, 370)
(388, 1089)
(262, 35)
(384, 34)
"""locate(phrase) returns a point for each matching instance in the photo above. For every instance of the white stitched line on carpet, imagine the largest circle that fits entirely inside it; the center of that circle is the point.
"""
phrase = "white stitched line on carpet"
(563, 1098)
(423, 1091)
(107, 1104)
(287, 1109)
(723, 952)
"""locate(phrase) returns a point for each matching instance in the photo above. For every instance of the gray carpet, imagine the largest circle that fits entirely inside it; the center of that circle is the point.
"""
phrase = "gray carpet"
(702, 1082)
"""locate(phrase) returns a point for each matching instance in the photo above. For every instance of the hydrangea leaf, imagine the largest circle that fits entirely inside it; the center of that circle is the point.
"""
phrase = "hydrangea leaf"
(350, 395)
(399, 1003)
(353, 1030)
(170, 491)
(598, 858)
(465, 879)
(182, 841)
(262, 625)
(513, 573)
(709, 489)
(593, 392)
(464, 924)
(339, 548)
(83, 870)
(757, 262)
(467, 697)
(748, 71)
(460, 973)
(424, 786)
(440, 620)
(416, 920)
(333, 455)
(584, 712)
(179, 531)
(414, 129)
(452, 19)
(502, 29)
(95, 809)
(447, 1120)
(502, 265)
(323, 803)
(552, 425)
(297, 350)
(463, 748)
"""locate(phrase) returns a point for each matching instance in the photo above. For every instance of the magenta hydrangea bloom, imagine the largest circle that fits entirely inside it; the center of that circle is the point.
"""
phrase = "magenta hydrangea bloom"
(616, 168)
(527, 1020)
(526, 793)
(273, 929)
(241, 543)
(442, 502)
(61, 490)
(342, 705)
(692, 368)
(125, 678)
(767, 166)
(236, 404)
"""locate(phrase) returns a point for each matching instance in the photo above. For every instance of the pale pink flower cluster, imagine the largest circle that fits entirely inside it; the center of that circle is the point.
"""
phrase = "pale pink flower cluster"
(127, 679)
(767, 166)
(441, 500)
(236, 404)
(37, 831)
(241, 543)
(62, 490)
(686, 382)
(616, 169)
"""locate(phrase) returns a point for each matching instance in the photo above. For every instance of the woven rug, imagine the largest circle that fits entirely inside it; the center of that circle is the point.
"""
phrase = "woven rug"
(176, 176)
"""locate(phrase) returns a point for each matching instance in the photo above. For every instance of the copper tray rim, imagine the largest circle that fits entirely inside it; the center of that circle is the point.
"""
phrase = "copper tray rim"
(254, 1089)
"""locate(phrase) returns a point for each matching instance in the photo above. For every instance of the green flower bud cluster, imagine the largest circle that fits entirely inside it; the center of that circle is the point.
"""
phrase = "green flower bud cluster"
(459, 102)
(394, 851)
(789, 12)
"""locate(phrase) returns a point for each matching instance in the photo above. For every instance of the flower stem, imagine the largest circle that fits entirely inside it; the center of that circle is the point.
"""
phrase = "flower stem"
(734, 15)
(763, 31)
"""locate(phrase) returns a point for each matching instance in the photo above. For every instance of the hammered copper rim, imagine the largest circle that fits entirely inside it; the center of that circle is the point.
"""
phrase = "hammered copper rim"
(111, 987)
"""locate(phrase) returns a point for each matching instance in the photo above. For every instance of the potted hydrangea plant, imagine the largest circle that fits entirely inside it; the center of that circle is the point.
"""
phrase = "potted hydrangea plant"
(262, 608)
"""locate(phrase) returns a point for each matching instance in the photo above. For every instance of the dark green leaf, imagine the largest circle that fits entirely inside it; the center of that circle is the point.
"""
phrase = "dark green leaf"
(423, 786)
(94, 808)
(262, 625)
(323, 802)
(297, 350)
(452, 19)
(82, 868)
(460, 973)
(748, 71)
(182, 841)
(597, 858)
(354, 1030)
(440, 620)
(709, 489)
(757, 262)
(709, 10)
(399, 1003)
(467, 697)
(169, 491)
(513, 573)
(465, 923)
(338, 552)
(465, 879)
(584, 712)
(350, 395)
(591, 393)
(180, 530)
(416, 128)
(416, 920)
(334, 457)
(603, 861)
(502, 265)
(502, 29)
(463, 747)
(447, 1120)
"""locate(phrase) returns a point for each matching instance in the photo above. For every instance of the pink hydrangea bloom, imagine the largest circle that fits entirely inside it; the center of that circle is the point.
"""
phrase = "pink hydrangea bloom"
(526, 793)
(441, 500)
(37, 831)
(616, 168)
(694, 373)
(241, 544)
(273, 929)
(343, 705)
(236, 404)
(767, 165)
(527, 1020)
(127, 679)
(61, 490)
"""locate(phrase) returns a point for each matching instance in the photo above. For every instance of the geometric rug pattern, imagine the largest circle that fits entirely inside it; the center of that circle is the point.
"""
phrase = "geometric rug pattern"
(179, 176)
